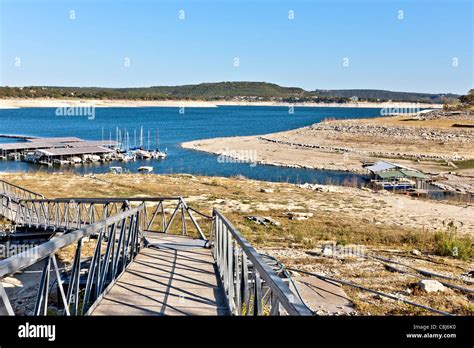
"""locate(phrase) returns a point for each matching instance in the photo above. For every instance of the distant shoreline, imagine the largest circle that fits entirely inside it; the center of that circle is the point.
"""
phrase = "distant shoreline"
(13, 103)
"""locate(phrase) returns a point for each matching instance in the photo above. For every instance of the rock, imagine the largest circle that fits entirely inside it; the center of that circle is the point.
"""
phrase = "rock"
(327, 250)
(263, 220)
(320, 188)
(272, 221)
(299, 216)
(430, 285)
(266, 190)
(416, 252)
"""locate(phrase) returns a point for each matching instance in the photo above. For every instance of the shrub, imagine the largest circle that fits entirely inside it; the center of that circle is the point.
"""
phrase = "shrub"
(447, 243)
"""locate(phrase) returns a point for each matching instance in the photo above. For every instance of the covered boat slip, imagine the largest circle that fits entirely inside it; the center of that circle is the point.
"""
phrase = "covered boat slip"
(55, 148)
(18, 148)
(389, 175)
(68, 154)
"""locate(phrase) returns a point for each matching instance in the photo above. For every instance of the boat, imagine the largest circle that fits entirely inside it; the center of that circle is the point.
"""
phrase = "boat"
(31, 157)
(129, 156)
(142, 154)
(76, 160)
(60, 162)
(14, 156)
(49, 164)
(396, 185)
(94, 158)
(159, 154)
(116, 170)
(145, 169)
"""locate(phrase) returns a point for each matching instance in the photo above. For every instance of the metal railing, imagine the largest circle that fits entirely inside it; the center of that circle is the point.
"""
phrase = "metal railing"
(74, 213)
(251, 286)
(117, 239)
(14, 191)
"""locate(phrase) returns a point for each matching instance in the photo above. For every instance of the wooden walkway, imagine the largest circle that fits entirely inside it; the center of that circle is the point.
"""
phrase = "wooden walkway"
(174, 276)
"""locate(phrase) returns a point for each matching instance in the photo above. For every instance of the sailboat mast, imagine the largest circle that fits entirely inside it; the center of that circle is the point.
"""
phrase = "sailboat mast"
(141, 136)
(148, 148)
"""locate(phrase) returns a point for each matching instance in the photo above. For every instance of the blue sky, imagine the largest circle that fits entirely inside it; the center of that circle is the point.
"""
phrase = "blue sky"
(415, 53)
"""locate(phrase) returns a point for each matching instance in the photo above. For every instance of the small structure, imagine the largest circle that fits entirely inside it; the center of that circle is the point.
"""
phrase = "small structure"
(145, 169)
(60, 155)
(394, 176)
(116, 170)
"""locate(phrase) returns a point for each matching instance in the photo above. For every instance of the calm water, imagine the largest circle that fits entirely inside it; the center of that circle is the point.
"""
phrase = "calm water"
(175, 128)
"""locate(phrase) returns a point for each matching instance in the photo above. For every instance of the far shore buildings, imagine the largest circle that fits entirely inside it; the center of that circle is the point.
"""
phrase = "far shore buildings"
(390, 175)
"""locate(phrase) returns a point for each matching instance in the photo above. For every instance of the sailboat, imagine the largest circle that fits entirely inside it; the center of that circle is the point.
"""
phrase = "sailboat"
(158, 154)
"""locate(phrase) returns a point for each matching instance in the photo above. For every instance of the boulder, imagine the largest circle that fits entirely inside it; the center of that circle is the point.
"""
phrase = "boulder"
(328, 250)
(430, 285)
(299, 216)
(263, 220)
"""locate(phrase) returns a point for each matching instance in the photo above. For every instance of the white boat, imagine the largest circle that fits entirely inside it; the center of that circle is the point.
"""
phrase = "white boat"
(60, 162)
(31, 157)
(127, 157)
(142, 154)
(159, 154)
(76, 160)
(14, 156)
(116, 170)
(94, 158)
(145, 169)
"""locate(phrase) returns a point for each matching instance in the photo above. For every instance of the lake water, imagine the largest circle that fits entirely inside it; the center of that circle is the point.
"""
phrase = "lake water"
(175, 128)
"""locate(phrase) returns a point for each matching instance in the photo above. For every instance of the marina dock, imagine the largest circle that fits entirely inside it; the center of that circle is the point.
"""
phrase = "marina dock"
(73, 150)
(58, 150)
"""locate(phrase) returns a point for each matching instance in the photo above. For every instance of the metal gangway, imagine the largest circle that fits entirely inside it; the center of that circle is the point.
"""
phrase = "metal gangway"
(139, 256)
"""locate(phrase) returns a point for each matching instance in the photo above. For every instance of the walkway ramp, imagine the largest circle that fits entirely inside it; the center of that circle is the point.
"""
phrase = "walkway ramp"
(174, 275)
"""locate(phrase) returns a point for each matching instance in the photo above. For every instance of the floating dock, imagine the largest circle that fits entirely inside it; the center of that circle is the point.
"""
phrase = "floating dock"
(58, 150)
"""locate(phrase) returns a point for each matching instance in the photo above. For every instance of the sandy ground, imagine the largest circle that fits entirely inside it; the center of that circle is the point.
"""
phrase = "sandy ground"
(47, 102)
(54, 103)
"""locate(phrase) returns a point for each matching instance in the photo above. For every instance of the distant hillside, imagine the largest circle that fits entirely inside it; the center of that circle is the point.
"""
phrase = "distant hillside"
(240, 91)
(382, 95)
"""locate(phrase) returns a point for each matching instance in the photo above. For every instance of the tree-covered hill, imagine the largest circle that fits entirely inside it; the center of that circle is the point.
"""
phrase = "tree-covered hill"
(241, 91)
(375, 94)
